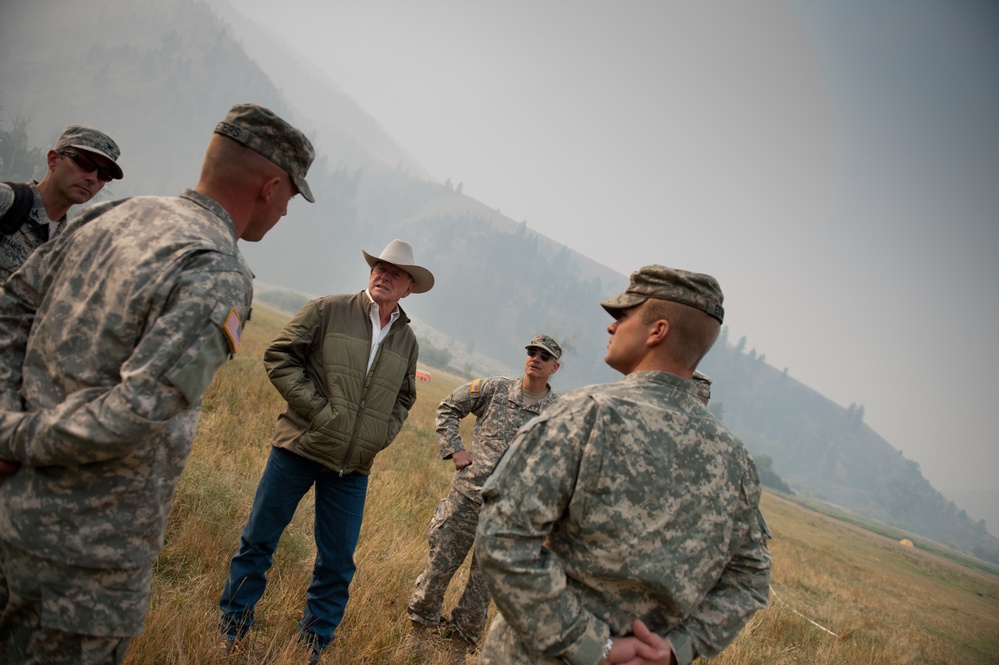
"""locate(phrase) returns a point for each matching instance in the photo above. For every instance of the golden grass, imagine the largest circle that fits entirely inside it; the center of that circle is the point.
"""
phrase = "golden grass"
(885, 603)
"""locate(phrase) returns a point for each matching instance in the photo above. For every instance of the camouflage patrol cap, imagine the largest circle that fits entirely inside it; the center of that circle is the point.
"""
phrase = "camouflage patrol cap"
(262, 131)
(655, 281)
(703, 382)
(92, 140)
(546, 343)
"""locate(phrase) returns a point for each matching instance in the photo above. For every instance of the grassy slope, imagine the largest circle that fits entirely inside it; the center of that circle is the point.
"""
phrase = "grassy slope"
(885, 603)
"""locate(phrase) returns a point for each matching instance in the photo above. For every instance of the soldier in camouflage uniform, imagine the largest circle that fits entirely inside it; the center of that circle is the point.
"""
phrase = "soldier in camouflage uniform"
(624, 522)
(82, 161)
(110, 335)
(501, 405)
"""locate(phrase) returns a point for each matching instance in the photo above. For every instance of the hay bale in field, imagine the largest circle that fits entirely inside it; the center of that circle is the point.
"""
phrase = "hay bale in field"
(906, 542)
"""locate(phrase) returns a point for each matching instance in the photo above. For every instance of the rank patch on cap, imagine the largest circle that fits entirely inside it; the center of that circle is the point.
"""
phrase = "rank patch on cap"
(233, 329)
(475, 387)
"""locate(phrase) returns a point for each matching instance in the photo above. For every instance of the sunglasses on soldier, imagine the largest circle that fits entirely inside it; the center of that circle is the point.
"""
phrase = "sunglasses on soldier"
(88, 165)
(545, 356)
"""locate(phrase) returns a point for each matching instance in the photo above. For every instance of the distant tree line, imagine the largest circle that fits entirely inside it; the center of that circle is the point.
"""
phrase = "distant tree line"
(285, 300)
(19, 162)
(436, 356)
(769, 477)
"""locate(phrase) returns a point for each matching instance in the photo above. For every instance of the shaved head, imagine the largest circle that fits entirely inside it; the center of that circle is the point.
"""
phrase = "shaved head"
(229, 163)
(692, 332)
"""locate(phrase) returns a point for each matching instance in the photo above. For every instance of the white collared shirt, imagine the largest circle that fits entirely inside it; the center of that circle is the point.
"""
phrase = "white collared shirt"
(377, 332)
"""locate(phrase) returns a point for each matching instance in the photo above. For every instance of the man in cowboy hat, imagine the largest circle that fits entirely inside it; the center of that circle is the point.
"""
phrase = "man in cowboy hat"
(346, 365)
(80, 163)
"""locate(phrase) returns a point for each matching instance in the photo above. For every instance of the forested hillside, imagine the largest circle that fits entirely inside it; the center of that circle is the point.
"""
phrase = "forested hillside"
(828, 452)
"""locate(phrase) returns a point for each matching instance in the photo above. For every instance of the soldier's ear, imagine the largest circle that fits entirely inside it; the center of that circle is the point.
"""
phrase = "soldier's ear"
(658, 332)
(268, 189)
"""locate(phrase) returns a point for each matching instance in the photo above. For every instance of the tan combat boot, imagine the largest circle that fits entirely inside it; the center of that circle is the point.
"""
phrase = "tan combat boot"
(459, 649)
(418, 641)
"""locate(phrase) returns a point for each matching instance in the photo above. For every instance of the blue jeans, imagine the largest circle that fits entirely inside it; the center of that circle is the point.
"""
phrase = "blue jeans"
(339, 509)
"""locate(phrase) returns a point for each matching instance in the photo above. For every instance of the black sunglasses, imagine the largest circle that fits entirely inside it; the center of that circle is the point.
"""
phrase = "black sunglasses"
(89, 165)
(545, 356)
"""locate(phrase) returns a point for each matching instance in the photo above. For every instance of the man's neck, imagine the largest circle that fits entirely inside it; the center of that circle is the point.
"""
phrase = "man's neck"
(662, 363)
(534, 384)
(56, 207)
(384, 310)
(236, 204)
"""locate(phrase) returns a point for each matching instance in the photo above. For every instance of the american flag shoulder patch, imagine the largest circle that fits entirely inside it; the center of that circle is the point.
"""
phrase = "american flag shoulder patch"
(233, 329)
(476, 386)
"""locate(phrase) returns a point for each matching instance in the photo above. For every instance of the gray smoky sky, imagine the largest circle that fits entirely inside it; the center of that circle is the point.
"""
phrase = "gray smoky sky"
(835, 164)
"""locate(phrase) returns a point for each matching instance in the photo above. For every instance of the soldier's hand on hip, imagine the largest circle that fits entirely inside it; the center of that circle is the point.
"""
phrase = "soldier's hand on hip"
(461, 459)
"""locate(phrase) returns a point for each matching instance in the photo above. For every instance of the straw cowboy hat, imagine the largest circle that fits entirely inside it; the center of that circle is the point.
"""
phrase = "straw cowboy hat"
(400, 253)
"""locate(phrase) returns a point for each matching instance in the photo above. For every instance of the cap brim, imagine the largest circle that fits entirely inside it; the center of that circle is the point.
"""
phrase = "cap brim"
(304, 189)
(115, 169)
(617, 304)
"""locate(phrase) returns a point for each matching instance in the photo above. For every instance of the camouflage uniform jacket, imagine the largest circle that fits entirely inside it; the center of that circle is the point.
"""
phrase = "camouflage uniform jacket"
(651, 508)
(109, 335)
(500, 410)
(16, 247)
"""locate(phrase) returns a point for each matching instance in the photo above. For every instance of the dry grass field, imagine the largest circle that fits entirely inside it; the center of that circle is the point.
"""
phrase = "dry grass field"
(842, 594)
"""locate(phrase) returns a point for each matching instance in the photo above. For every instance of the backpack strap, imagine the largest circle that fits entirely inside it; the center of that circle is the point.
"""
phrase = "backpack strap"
(17, 214)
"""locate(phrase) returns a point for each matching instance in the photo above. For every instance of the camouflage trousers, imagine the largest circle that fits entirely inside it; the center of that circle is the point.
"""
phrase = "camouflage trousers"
(58, 614)
(452, 532)
(503, 646)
